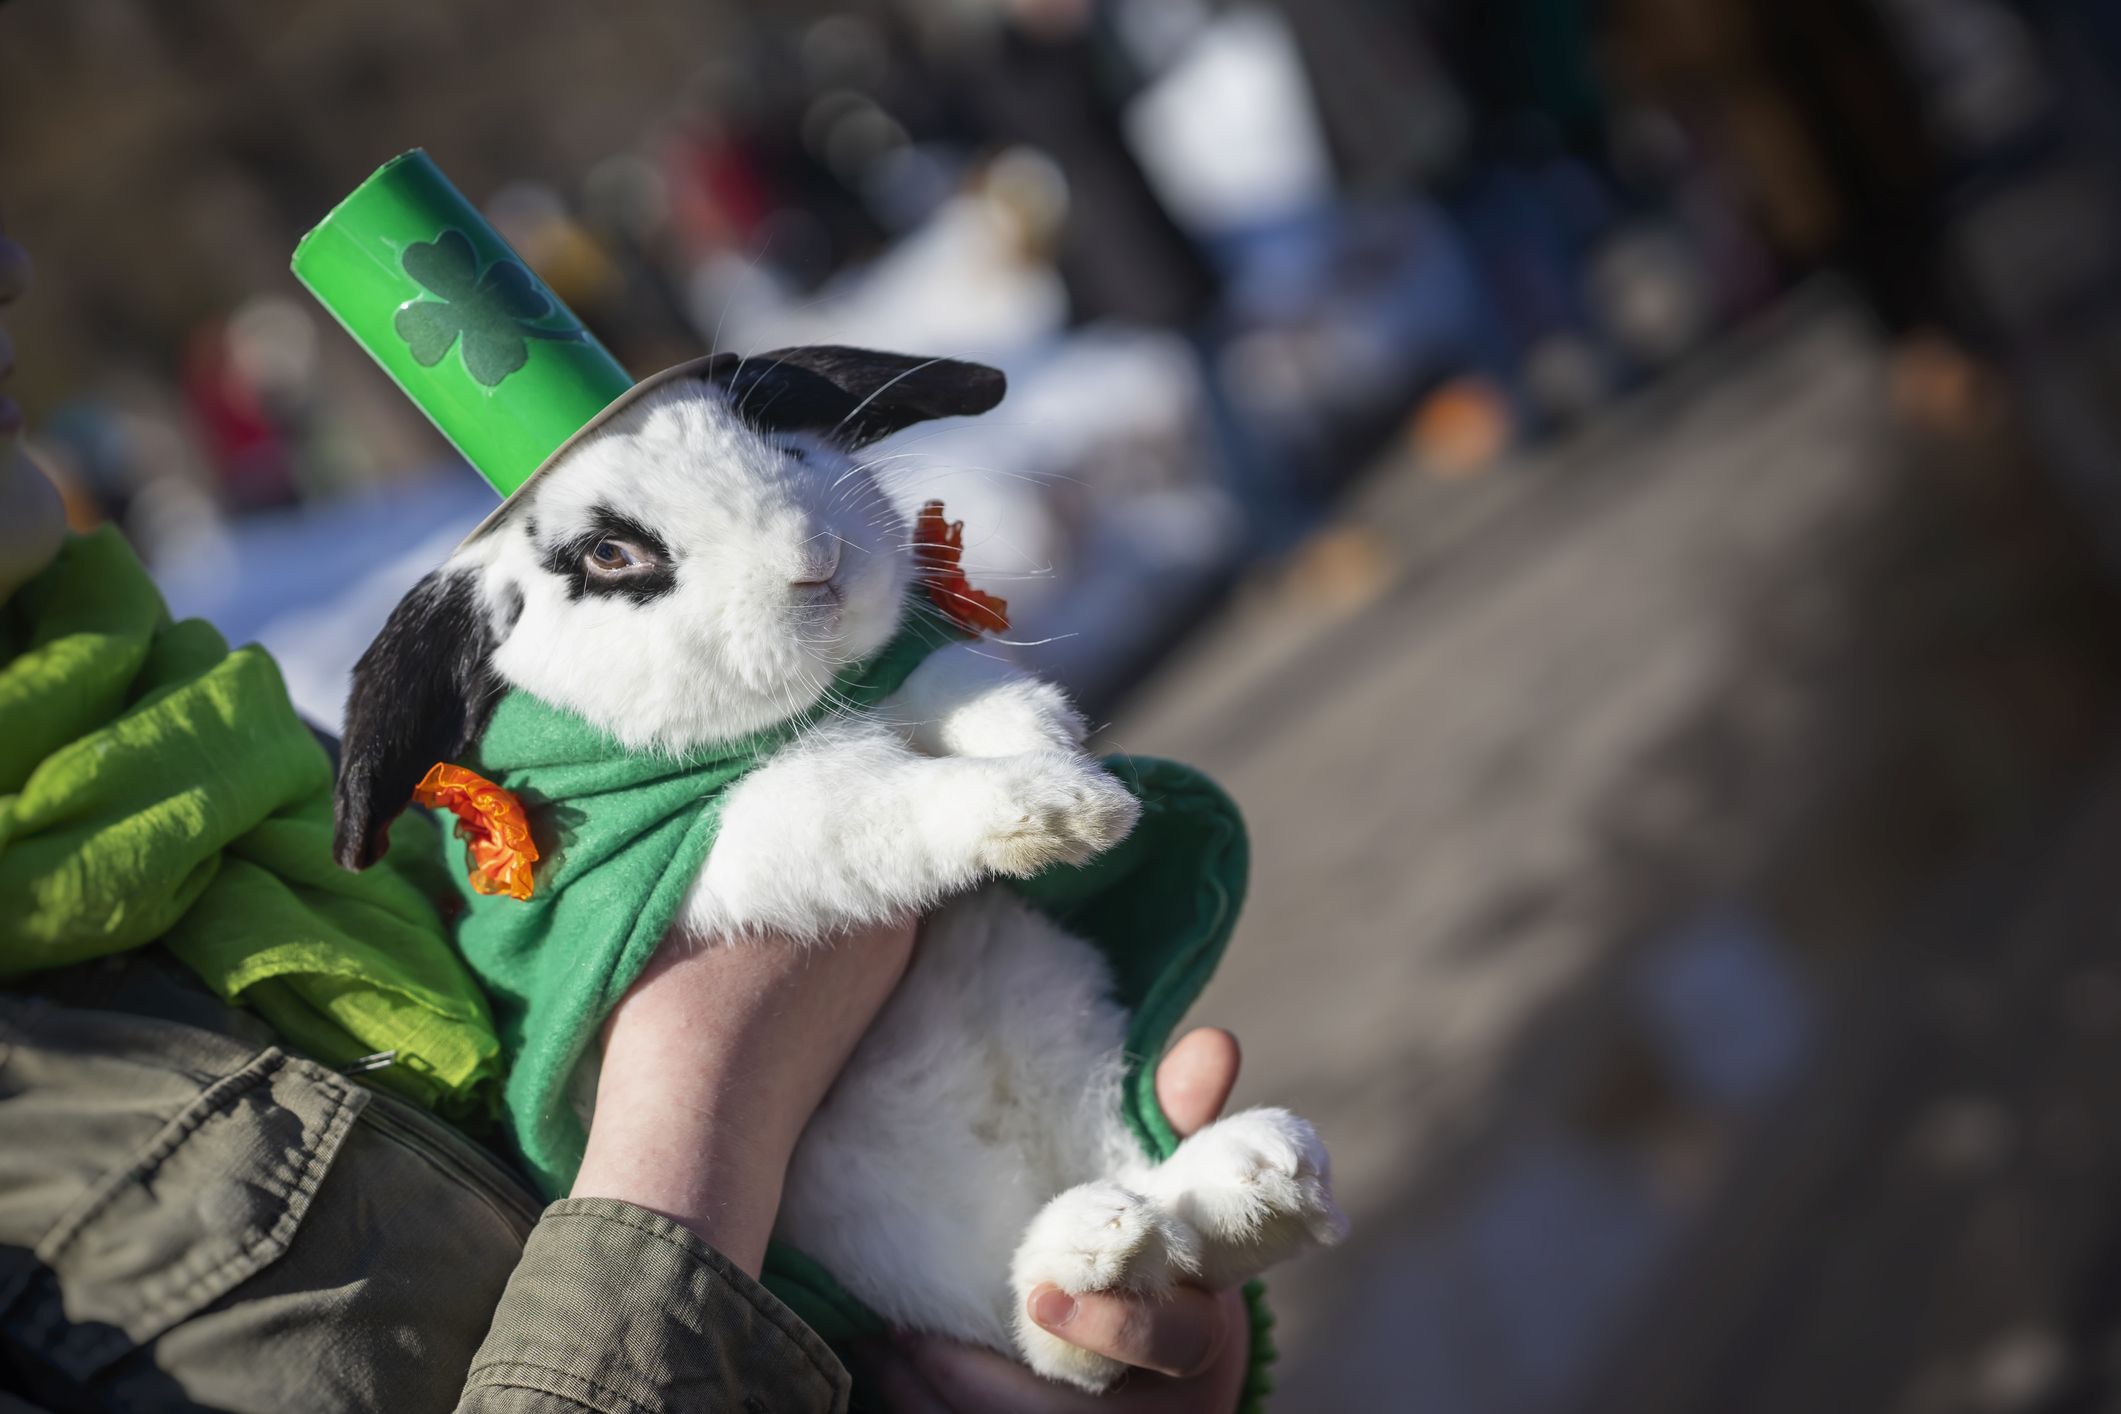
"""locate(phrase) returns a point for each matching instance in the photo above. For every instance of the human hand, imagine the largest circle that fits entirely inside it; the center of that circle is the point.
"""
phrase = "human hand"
(713, 1063)
(1192, 1347)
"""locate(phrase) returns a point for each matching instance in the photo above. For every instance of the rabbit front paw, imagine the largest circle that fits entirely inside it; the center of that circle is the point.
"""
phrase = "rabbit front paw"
(1097, 1236)
(1041, 809)
(1258, 1188)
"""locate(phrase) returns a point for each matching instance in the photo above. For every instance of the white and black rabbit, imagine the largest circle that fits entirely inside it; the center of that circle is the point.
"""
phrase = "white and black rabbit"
(702, 565)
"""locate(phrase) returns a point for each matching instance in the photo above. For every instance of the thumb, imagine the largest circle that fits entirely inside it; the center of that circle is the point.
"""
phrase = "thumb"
(1194, 1081)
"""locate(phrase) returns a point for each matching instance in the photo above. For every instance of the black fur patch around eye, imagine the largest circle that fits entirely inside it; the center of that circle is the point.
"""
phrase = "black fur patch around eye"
(568, 559)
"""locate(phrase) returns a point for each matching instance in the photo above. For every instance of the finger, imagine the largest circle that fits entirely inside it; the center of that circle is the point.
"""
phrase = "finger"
(1177, 1332)
(1195, 1079)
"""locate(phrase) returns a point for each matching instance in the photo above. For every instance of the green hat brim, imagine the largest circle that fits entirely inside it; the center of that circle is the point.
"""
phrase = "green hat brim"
(701, 368)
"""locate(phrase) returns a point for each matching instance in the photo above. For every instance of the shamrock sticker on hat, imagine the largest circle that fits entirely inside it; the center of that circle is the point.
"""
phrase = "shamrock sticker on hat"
(493, 310)
(440, 301)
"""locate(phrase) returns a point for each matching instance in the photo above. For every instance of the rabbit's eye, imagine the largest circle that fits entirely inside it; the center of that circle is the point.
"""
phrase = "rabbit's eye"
(614, 555)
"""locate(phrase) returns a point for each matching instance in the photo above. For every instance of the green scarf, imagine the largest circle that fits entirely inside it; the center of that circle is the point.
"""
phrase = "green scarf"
(623, 835)
(620, 837)
(155, 786)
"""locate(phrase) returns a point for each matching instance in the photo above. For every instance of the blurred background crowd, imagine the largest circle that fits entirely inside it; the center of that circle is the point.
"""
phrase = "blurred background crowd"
(1627, 493)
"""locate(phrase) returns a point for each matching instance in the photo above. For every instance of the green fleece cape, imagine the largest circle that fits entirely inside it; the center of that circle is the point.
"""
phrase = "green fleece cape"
(155, 786)
(621, 837)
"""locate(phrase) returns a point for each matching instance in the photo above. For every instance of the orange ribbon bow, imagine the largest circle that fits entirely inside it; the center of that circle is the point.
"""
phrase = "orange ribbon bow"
(490, 821)
(938, 548)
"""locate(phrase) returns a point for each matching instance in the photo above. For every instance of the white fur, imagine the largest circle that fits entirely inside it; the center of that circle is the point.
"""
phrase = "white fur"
(973, 1148)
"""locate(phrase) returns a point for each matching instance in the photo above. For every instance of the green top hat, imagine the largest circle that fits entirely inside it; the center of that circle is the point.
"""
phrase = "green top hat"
(458, 320)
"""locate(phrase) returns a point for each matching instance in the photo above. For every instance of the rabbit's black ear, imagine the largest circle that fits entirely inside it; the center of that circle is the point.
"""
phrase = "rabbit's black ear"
(854, 396)
(421, 694)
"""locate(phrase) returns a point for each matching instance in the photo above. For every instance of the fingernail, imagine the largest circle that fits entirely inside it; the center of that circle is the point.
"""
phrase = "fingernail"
(1051, 1307)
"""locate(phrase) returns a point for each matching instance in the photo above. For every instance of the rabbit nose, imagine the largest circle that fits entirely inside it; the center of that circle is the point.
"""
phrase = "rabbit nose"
(823, 564)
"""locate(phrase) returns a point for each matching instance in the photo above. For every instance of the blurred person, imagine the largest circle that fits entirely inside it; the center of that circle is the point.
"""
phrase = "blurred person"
(1393, 115)
(249, 452)
(1042, 73)
(1848, 81)
(201, 1208)
(747, 168)
(1813, 105)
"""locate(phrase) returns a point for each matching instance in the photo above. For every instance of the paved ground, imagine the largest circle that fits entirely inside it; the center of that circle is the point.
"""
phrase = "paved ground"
(1928, 1222)
(1586, 796)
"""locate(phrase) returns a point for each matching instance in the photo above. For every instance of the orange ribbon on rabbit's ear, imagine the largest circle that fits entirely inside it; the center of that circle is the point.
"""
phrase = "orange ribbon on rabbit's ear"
(938, 550)
(490, 821)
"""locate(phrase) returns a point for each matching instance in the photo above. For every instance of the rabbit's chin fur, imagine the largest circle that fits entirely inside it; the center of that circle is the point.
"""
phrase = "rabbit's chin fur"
(973, 1149)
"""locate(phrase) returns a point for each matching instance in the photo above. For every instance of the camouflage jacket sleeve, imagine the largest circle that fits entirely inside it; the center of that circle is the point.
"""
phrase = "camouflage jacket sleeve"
(616, 1309)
